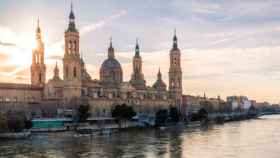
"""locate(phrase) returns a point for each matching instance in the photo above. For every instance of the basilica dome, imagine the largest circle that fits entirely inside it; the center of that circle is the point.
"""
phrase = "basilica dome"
(111, 63)
(111, 70)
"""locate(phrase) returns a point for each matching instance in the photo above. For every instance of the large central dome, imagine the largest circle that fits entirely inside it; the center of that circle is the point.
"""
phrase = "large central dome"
(111, 63)
(111, 70)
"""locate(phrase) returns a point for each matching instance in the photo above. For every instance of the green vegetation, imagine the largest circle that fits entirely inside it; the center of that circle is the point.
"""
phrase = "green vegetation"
(161, 117)
(123, 113)
(174, 115)
(14, 122)
(83, 113)
(3, 123)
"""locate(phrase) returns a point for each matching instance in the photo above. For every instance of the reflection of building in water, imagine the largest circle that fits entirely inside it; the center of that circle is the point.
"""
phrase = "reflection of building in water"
(77, 86)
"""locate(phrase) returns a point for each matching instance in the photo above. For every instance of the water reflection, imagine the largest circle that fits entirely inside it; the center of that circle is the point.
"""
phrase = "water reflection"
(253, 138)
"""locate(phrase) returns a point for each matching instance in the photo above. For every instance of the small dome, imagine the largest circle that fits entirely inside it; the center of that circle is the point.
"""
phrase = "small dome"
(160, 85)
(111, 63)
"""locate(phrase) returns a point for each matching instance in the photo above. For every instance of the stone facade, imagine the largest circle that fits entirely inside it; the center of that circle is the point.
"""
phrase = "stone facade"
(76, 87)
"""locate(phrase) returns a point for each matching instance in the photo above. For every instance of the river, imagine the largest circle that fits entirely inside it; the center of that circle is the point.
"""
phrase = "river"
(257, 138)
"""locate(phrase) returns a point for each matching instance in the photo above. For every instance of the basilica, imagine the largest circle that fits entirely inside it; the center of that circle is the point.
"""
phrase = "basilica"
(76, 86)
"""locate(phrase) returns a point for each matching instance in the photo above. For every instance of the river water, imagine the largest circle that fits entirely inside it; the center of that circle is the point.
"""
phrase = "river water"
(258, 138)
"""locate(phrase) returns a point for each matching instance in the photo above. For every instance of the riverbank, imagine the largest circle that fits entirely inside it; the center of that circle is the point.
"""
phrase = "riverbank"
(229, 117)
(249, 139)
(105, 129)
(15, 135)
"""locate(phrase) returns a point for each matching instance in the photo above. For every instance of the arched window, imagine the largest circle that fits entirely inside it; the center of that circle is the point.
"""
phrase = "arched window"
(70, 46)
(66, 71)
(75, 46)
(75, 72)
(40, 77)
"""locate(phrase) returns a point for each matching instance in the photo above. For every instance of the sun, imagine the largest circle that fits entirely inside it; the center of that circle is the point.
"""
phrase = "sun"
(21, 54)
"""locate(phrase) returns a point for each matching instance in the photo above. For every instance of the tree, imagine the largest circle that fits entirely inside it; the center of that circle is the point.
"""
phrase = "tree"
(123, 112)
(28, 124)
(3, 123)
(16, 123)
(202, 114)
(161, 117)
(83, 113)
(174, 114)
(207, 105)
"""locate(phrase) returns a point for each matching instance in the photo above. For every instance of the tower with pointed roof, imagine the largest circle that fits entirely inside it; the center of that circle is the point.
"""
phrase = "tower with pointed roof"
(175, 72)
(137, 77)
(71, 59)
(38, 67)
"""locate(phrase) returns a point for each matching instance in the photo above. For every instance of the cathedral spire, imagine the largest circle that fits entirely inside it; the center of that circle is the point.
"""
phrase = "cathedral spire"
(137, 50)
(38, 30)
(159, 74)
(111, 53)
(175, 40)
(38, 67)
(72, 25)
(71, 15)
(56, 72)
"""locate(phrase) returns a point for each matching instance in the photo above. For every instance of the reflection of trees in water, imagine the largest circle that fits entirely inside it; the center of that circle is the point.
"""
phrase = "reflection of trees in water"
(168, 142)
(131, 143)
(175, 143)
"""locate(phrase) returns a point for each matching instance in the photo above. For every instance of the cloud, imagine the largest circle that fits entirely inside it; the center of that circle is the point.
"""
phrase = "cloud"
(7, 44)
(55, 50)
(5, 69)
(55, 57)
(3, 57)
(101, 23)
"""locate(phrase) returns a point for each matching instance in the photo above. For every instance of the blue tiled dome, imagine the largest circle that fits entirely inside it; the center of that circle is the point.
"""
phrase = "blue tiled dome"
(111, 63)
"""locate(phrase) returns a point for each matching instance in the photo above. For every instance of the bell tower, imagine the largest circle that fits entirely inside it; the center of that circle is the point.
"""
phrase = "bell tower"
(38, 67)
(71, 59)
(175, 73)
(137, 77)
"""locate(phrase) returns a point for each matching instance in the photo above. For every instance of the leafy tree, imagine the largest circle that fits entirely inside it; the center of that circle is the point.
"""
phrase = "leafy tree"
(117, 112)
(83, 113)
(207, 105)
(3, 123)
(161, 117)
(16, 123)
(28, 124)
(123, 113)
(202, 114)
(174, 114)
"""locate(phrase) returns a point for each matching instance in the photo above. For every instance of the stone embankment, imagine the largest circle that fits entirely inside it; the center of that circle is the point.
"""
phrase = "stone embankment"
(16, 135)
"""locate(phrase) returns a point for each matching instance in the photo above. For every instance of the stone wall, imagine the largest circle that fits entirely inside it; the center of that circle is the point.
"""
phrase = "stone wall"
(20, 93)
(103, 107)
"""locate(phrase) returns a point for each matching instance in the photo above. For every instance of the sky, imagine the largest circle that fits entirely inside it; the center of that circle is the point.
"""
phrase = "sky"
(228, 47)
